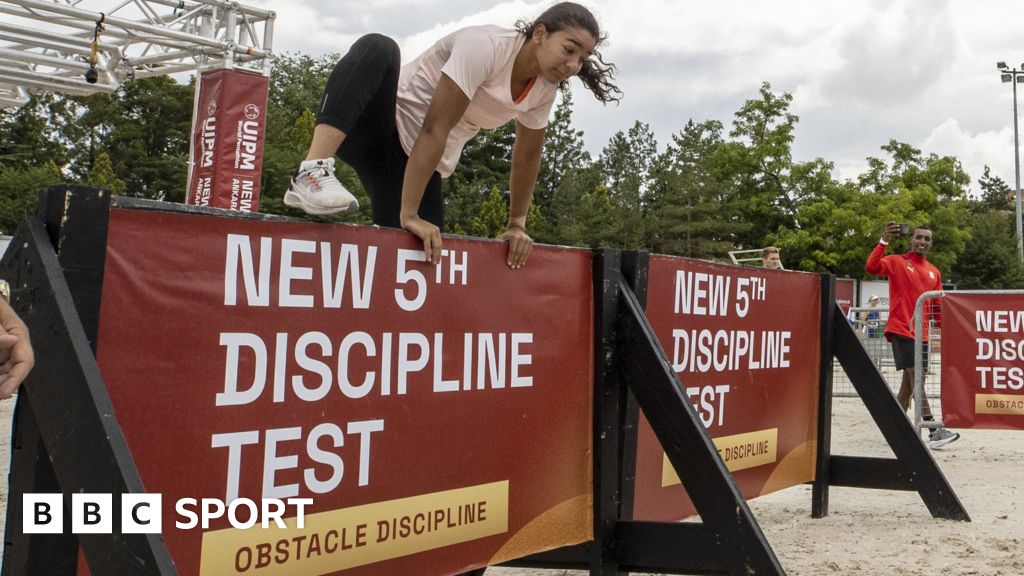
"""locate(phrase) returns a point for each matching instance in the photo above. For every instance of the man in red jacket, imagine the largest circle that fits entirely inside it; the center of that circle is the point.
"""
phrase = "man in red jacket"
(910, 275)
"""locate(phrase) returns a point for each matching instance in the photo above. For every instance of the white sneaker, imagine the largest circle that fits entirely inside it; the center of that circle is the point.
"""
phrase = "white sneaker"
(316, 190)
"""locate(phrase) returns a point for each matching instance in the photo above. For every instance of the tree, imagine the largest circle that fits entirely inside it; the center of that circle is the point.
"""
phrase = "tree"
(837, 229)
(144, 128)
(626, 162)
(28, 137)
(485, 164)
(996, 194)
(584, 215)
(989, 260)
(597, 216)
(760, 166)
(18, 191)
(930, 191)
(838, 224)
(297, 84)
(102, 175)
(692, 215)
(563, 151)
(492, 217)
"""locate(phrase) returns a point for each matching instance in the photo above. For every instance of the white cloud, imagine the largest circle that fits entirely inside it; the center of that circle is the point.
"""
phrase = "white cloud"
(862, 72)
(975, 151)
(893, 53)
(504, 13)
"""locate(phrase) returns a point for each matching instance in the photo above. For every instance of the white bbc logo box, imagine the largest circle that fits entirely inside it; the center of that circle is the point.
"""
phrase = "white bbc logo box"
(91, 514)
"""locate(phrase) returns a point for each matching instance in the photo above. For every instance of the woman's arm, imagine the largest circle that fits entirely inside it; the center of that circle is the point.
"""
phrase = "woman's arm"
(525, 167)
(448, 105)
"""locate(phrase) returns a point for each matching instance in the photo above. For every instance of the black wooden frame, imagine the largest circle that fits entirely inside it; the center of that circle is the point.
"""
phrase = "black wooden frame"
(66, 438)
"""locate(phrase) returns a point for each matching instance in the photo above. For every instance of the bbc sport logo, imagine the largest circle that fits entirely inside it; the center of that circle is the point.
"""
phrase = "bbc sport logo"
(143, 513)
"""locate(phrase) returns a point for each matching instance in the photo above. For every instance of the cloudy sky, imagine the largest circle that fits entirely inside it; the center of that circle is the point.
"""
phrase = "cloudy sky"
(861, 71)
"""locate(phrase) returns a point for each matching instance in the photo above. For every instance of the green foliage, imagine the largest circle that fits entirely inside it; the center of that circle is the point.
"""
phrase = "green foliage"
(485, 165)
(563, 151)
(580, 213)
(989, 260)
(297, 84)
(492, 217)
(102, 175)
(144, 129)
(627, 163)
(28, 136)
(996, 194)
(759, 164)
(713, 189)
(692, 215)
(19, 189)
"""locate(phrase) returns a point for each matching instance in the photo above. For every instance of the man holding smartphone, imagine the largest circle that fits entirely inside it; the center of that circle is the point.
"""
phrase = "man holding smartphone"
(910, 275)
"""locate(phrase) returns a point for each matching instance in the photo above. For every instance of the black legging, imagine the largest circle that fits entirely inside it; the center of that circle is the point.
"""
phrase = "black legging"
(360, 100)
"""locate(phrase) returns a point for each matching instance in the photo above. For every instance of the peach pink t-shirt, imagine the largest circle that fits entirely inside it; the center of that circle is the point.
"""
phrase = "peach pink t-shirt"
(479, 60)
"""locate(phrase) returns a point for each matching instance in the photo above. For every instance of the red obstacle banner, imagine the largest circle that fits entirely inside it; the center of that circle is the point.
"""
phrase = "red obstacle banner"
(845, 294)
(983, 361)
(745, 345)
(227, 140)
(438, 417)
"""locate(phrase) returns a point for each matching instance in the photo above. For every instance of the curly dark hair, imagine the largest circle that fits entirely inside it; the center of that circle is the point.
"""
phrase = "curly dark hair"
(595, 73)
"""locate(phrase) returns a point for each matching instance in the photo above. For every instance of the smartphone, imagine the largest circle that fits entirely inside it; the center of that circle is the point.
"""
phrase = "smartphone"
(904, 229)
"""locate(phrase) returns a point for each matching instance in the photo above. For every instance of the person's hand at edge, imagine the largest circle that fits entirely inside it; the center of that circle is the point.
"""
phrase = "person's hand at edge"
(519, 245)
(16, 355)
(891, 229)
(428, 233)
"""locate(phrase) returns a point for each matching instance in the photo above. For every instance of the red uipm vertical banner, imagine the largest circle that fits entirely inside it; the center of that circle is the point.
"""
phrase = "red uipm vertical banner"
(227, 140)
(983, 361)
(439, 417)
(745, 345)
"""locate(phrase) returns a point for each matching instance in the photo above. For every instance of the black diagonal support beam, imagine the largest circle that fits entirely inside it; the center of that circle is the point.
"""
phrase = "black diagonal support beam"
(723, 511)
(913, 468)
(73, 413)
(31, 473)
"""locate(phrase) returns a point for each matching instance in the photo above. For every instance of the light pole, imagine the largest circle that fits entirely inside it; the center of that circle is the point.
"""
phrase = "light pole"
(1013, 76)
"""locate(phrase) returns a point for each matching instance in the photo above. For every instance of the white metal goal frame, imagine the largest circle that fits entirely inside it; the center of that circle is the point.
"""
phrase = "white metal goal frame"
(747, 257)
(82, 47)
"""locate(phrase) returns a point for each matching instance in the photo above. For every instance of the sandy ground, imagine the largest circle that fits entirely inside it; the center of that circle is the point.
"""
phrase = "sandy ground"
(873, 532)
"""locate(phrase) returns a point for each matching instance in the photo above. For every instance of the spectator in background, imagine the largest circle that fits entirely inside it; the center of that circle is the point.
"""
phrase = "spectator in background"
(871, 324)
(910, 275)
(770, 258)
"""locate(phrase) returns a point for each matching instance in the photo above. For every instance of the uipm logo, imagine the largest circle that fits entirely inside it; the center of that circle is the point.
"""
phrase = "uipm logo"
(141, 513)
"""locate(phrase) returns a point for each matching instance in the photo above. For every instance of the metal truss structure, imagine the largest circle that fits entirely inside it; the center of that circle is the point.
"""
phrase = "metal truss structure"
(79, 47)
